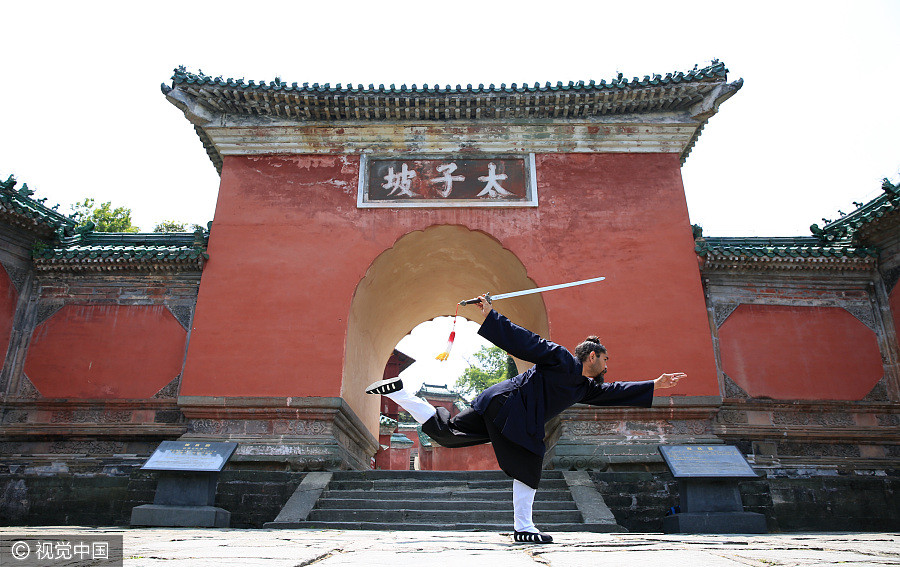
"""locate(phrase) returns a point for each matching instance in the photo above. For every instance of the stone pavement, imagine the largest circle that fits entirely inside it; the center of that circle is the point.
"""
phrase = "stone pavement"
(173, 547)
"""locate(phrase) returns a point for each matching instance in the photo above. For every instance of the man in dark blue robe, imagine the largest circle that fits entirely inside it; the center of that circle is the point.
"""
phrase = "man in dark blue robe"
(511, 415)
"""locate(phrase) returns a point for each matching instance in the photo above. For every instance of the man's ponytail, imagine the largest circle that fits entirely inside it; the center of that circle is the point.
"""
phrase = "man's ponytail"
(589, 345)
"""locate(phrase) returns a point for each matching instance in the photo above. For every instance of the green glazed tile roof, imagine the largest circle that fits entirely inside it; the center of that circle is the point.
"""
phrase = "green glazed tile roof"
(854, 226)
(400, 440)
(122, 251)
(841, 244)
(424, 440)
(787, 253)
(714, 72)
(789, 247)
(657, 93)
(675, 92)
(18, 208)
(64, 246)
(439, 390)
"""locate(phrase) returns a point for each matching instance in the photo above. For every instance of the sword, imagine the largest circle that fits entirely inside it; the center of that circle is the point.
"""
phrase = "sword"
(490, 298)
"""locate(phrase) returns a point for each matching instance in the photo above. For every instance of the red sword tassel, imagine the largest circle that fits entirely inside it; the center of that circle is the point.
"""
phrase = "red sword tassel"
(446, 354)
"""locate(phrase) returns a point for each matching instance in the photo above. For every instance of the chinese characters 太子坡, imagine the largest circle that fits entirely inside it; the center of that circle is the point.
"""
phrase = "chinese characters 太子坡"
(481, 179)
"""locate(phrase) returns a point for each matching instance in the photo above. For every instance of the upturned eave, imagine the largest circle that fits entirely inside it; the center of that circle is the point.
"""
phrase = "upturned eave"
(656, 114)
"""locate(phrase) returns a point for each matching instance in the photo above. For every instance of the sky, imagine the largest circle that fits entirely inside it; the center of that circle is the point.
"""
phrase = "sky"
(813, 129)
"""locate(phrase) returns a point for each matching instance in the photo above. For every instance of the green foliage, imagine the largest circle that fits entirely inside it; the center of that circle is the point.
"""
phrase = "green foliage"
(170, 226)
(104, 217)
(493, 365)
(176, 226)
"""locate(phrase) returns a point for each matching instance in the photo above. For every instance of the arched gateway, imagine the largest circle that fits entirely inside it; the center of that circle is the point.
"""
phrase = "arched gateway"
(419, 278)
(346, 216)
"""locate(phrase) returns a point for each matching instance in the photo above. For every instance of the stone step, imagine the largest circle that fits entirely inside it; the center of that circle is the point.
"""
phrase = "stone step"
(415, 484)
(434, 475)
(442, 501)
(502, 527)
(453, 516)
(469, 504)
(443, 494)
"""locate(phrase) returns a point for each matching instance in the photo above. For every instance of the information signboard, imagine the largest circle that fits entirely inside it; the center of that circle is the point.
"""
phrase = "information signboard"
(706, 461)
(195, 456)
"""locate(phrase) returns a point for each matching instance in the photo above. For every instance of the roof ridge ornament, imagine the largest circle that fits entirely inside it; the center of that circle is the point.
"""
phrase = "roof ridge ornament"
(848, 226)
(715, 70)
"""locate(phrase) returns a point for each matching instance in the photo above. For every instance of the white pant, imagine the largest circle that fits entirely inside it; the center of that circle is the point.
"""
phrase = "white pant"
(523, 501)
(419, 409)
(523, 495)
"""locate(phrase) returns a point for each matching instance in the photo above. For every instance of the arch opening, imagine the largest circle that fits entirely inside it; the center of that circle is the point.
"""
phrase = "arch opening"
(422, 276)
(429, 338)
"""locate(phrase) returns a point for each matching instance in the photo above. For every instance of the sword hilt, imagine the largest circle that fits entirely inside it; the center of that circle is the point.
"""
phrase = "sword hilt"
(476, 300)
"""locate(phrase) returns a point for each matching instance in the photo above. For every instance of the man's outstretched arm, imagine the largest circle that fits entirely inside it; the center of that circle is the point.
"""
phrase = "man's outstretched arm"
(638, 394)
(519, 341)
(668, 380)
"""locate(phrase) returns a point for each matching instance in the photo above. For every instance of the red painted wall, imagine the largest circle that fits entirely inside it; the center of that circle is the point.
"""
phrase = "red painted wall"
(808, 353)
(9, 297)
(392, 459)
(106, 351)
(289, 246)
(476, 458)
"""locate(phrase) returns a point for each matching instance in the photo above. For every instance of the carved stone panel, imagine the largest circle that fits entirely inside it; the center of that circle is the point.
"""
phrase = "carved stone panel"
(880, 392)
(16, 275)
(589, 428)
(732, 390)
(170, 390)
(722, 310)
(47, 309)
(864, 313)
(183, 313)
(26, 389)
(830, 419)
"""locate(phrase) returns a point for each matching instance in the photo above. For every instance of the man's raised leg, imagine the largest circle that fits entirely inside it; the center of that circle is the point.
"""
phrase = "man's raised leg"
(392, 388)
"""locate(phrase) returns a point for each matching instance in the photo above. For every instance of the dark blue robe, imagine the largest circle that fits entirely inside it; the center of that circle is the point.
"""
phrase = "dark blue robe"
(552, 385)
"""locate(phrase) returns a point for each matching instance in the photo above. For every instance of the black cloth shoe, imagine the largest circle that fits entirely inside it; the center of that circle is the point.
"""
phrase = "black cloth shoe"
(388, 386)
(529, 537)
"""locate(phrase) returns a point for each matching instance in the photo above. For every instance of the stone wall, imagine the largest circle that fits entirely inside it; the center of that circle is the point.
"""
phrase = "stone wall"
(791, 500)
(60, 498)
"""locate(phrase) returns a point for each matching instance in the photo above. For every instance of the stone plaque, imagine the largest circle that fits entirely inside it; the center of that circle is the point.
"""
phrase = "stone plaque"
(195, 456)
(706, 461)
(447, 181)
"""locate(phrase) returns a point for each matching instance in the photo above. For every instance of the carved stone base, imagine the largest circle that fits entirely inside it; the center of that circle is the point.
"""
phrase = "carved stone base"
(304, 434)
(812, 434)
(49, 436)
(625, 439)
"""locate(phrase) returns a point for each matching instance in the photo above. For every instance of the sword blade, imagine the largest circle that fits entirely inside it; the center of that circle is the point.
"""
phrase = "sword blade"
(545, 288)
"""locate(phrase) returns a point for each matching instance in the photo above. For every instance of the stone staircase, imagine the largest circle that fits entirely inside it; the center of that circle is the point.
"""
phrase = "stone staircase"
(439, 501)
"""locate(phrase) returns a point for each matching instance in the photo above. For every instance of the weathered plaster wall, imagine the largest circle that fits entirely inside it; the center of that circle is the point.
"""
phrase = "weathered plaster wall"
(106, 351)
(9, 298)
(394, 459)
(800, 353)
(289, 248)
(894, 302)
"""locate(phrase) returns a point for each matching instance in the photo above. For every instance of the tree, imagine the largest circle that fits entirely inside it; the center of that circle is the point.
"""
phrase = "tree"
(176, 226)
(104, 217)
(170, 226)
(493, 366)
